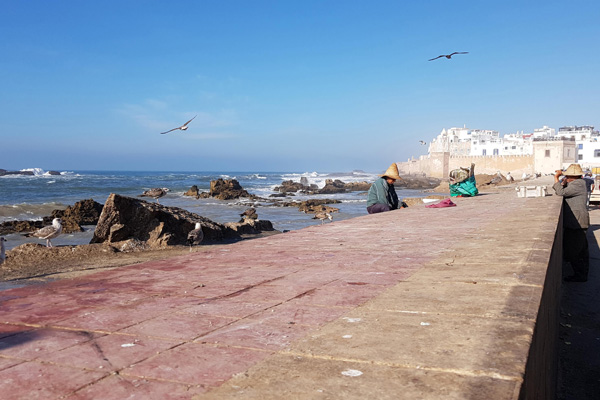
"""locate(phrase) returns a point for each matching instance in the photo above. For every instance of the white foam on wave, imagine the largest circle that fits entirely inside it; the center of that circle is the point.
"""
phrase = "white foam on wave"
(319, 179)
(36, 171)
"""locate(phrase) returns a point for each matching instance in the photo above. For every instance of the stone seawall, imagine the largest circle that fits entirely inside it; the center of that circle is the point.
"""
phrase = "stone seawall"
(439, 164)
(418, 303)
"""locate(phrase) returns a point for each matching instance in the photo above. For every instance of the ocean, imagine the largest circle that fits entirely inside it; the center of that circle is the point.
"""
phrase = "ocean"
(24, 197)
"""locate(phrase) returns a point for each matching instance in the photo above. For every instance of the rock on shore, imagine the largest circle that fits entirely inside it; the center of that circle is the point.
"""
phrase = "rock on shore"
(84, 212)
(125, 218)
(225, 189)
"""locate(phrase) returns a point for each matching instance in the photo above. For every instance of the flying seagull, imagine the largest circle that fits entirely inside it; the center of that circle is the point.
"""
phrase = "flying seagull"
(48, 232)
(155, 193)
(182, 127)
(422, 142)
(448, 56)
(323, 216)
(195, 236)
(2, 251)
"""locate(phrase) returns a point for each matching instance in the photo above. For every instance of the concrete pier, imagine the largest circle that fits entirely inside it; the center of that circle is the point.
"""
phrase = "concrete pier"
(419, 303)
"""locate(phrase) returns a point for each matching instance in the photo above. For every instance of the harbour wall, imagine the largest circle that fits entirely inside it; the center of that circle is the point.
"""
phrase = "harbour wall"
(438, 165)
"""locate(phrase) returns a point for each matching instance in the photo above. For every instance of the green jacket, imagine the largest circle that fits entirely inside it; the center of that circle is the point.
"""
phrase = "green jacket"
(381, 192)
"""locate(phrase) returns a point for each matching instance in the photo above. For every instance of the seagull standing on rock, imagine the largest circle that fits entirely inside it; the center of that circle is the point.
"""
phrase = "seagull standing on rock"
(2, 250)
(195, 236)
(155, 193)
(48, 232)
(182, 127)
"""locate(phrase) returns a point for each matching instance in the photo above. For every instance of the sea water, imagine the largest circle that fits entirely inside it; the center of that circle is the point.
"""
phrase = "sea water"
(31, 197)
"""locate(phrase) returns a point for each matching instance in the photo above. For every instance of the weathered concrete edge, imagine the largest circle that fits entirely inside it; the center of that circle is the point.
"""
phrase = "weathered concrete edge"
(541, 373)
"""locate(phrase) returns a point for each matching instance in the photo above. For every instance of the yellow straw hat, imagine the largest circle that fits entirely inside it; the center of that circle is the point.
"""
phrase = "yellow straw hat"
(573, 170)
(392, 172)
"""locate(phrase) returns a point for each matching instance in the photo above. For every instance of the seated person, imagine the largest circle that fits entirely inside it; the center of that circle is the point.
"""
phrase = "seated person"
(382, 195)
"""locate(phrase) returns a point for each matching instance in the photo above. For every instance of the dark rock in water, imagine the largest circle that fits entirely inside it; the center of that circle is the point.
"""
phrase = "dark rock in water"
(84, 212)
(333, 186)
(226, 189)
(194, 192)
(314, 205)
(250, 226)
(5, 172)
(8, 227)
(357, 186)
(290, 187)
(53, 173)
(125, 218)
(281, 194)
(417, 182)
(249, 213)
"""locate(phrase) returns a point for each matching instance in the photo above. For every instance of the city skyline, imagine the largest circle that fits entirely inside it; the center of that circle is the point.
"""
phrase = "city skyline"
(282, 86)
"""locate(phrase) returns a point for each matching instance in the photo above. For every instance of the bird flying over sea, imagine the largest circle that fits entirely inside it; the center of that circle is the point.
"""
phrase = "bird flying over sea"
(195, 236)
(48, 232)
(448, 56)
(182, 127)
(155, 193)
(422, 142)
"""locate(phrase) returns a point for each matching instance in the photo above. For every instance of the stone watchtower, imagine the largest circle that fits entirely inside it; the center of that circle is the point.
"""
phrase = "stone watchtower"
(550, 155)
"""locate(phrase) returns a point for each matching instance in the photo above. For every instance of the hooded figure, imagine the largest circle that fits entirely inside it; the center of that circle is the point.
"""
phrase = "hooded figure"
(382, 195)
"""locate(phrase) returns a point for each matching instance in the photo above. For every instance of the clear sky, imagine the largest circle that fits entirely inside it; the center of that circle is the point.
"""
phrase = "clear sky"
(287, 85)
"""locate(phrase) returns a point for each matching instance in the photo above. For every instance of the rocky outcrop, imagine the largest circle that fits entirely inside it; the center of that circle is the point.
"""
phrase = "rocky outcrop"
(194, 192)
(84, 212)
(125, 218)
(417, 182)
(357, 186)
(333, 186)
(226, 189)
(250, 226)
(290, 187)
(5, 172)
(314, 205)
(8, 227)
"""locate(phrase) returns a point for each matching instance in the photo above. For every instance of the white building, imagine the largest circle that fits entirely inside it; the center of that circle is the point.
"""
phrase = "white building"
(478, 142)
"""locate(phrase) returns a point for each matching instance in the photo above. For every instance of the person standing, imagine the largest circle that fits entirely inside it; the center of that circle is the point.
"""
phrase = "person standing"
(589, 181)
(576, 220)
(382, 195)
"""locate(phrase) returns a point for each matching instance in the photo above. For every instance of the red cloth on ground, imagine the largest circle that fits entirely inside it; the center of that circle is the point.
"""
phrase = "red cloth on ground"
(441, 204)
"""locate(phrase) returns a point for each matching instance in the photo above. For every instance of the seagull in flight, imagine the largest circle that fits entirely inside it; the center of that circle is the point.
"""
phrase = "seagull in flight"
(448, 56)
(422, 142)
(182, 127)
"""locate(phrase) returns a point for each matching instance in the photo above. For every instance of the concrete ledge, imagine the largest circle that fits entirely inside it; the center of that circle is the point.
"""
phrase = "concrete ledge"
(453, 303)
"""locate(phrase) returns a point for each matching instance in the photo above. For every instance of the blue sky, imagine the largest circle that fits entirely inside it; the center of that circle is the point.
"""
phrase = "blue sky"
(283, 85)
